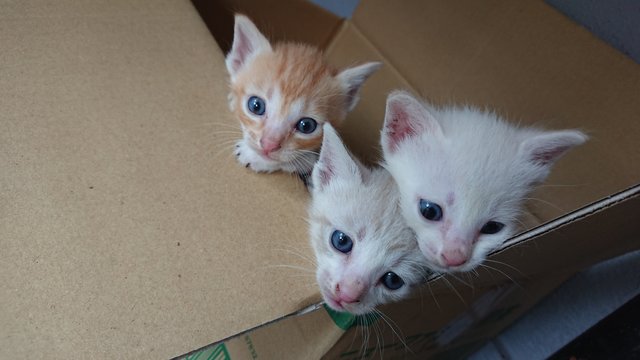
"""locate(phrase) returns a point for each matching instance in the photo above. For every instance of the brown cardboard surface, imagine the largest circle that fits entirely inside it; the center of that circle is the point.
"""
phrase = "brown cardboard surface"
(529, 62)
(308, 336)
(126, 227)
(361, 131)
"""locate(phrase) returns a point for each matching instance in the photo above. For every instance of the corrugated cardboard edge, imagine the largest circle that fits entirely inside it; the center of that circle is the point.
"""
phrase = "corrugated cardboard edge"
(576, 215)
(300, 312)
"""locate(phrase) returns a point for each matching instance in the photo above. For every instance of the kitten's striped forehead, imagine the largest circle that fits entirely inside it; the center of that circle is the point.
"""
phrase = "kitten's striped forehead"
(294, 76)
(300, 71)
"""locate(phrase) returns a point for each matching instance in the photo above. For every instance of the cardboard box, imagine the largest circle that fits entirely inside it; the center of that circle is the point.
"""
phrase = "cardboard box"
(128, 230)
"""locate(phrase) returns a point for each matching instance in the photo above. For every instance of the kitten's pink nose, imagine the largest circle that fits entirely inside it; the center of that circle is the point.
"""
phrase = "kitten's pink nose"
(350, 291)
(268, 146)
(454, 257)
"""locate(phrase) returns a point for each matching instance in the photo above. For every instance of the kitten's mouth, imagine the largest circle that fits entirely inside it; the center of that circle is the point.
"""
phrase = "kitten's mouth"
(333, 303)
(437, 267)
(273, 156)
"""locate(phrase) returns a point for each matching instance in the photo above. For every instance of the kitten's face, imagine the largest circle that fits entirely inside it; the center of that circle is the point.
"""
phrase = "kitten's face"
(365, 253)
(282, 95)
(463, 175)
(282, 99)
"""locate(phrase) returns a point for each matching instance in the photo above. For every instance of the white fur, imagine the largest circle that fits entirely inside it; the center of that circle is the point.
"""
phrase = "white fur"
(487, 164)
(363, 204)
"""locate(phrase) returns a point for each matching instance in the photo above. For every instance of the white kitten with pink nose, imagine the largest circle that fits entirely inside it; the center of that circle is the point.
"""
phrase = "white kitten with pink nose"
(463, 175)
(366, 255)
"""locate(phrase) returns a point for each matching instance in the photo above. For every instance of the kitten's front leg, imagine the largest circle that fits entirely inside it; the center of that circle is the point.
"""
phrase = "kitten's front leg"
(248, 157)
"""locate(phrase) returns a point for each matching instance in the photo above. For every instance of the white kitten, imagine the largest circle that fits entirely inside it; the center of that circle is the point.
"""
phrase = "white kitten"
(463, 175)
(366, 254)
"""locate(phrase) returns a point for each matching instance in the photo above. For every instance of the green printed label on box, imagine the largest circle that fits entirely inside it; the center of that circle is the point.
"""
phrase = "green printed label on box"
(346, 321)
(218, 352)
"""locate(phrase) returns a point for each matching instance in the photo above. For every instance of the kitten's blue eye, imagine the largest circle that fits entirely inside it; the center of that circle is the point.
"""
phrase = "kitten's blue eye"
(392, 281)
(341, 241)
(256, 105)
(430, 210)
(306, 125)
(491, 227)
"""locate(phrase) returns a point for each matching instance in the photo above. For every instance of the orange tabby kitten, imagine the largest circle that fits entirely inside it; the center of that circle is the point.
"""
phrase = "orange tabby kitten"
(282, 94)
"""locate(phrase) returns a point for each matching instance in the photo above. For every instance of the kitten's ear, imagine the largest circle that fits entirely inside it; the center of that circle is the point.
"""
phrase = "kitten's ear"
(247, 41)
(545, 148)
(335, 162)
(352, 79)
(405, 117)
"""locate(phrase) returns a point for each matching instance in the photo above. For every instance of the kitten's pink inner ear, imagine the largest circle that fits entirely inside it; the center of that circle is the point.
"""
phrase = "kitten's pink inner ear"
(335, 161)
(548, 156)
(247, 39)
(352, 80)
(241, 50)
(545, 149)
(324, 169)
(326, 173)
(397, 125)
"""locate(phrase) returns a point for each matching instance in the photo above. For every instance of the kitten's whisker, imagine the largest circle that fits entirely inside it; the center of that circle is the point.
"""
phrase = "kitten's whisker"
(219, 136)
(224, 150)
(470, 280)
(355, 334)
(507, 265)
(301, 256)
(521, 223)
(545, 202)
(421, 298)
(363, 345)
(227, 125)
(225, 144)
(226, 131)
(306, 151)
(393, 324)
(433, 296)
(562, 185)
(450, 285)
(365, 339)
(221, 141)
(228, 143)
(291, 267)
(503, 274)
(460, 280)
(379, 335)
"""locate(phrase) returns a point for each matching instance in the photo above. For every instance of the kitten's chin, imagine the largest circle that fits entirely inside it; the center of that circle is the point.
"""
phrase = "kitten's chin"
(347, 308)
(333, 304)
(435, 266)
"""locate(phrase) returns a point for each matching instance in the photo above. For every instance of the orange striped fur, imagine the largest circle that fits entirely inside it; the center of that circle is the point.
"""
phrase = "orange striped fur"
(294, 82)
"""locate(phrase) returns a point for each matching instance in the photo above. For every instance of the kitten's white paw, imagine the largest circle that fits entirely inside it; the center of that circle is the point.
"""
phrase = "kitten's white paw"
(248, 158)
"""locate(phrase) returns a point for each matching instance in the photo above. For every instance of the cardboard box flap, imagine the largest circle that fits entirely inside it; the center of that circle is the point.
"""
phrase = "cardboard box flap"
(592, 234)
(284, 20)
(533, 65)
(125, 223)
